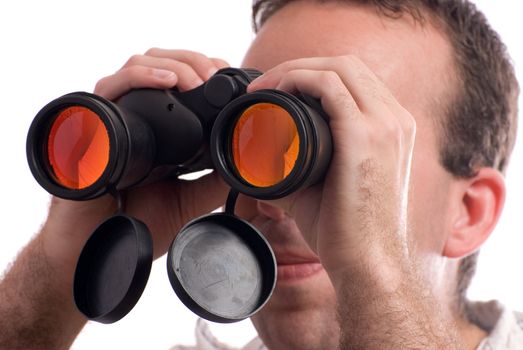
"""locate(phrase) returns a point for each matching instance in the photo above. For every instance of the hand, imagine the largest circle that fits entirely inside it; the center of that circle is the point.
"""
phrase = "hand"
(164, 206)
(357, 216)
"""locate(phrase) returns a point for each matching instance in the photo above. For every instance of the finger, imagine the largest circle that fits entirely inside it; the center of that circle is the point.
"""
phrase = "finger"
(115, 85)
(370, 94)
(347, 122)
(219, 63)
(202, 65)
(359, 79)
(326, 86)
(188, 78)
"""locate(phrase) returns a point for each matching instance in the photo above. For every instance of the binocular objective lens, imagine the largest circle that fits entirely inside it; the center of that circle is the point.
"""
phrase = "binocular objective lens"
(77, 147)
(265, 144)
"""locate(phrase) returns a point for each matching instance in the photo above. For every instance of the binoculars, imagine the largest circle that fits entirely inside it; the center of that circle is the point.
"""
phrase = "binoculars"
(265, 144)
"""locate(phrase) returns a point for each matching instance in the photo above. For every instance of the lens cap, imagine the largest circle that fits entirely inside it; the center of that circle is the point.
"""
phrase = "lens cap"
(113, 269)
(221, 268)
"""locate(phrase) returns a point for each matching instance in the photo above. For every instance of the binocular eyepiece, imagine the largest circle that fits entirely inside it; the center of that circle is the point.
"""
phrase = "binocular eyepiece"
(265, 144)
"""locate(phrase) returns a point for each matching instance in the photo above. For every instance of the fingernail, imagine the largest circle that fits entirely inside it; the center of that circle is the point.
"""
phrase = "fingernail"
(164, 74)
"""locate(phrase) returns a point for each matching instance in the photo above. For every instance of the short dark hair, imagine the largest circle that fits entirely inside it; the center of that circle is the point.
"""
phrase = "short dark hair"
(480, 125)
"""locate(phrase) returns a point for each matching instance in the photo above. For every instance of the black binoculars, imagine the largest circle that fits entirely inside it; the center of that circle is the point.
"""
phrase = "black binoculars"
(265, 144)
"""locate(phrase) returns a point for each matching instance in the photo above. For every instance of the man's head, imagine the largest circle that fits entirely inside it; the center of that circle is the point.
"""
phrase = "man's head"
(450, 71)
(480, 126)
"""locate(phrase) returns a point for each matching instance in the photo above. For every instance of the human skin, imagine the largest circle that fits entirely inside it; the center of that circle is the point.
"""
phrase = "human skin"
(385, 242)
(46, 317)
(366, 258)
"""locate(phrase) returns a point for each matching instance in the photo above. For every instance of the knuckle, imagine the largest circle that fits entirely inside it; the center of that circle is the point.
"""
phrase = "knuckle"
(133, 74)
(220, 63)
(409, 122)
(348, 60)
(388, 135)
(285, 66)
(343, 100)
(292, 75)
(340, 94)
(329, 79)
(391, 130)
(364, 80)
(153, 51)
(410, 125)
(183, 69)
(100, 85)
(133, 60)
(193, 55)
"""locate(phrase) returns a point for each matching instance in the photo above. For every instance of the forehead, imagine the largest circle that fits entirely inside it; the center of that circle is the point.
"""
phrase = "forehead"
(414, 60)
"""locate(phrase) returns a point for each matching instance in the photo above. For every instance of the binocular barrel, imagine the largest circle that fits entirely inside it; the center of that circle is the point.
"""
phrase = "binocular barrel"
(268, 143)
(265, 144)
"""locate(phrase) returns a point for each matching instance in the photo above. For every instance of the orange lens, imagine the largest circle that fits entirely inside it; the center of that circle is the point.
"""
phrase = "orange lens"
(265, 144)
(78, 147)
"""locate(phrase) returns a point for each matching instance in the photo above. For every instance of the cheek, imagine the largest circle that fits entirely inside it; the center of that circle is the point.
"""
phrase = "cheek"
(428, 212)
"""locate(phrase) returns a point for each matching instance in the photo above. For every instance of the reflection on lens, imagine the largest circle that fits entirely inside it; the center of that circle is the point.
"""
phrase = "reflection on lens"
(78, 147)
(265, 144)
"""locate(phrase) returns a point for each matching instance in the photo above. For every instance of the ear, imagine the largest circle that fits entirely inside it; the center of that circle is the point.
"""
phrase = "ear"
(481, 201)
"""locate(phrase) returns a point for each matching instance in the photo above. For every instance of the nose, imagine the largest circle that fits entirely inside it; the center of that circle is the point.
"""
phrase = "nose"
(270, 211)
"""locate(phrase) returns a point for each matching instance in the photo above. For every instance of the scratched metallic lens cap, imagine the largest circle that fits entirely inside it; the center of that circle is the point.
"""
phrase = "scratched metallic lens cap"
(113, 269)
(221, 268)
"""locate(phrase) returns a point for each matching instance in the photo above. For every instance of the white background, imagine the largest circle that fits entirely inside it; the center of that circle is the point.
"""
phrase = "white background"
(49, 48)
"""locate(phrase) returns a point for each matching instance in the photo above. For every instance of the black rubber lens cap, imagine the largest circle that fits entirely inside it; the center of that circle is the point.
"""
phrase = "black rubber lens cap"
(221, 268)
(113, 269)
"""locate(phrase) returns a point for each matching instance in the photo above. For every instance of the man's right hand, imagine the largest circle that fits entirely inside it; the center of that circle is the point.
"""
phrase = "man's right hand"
(37, 310)
(164, 206)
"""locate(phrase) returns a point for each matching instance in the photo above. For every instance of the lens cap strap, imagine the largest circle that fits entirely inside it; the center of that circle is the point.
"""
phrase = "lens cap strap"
(231, 201)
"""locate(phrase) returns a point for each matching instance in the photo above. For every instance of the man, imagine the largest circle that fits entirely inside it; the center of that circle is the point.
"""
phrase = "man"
(421, 105)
